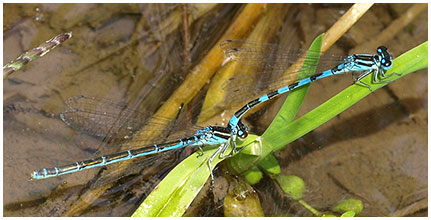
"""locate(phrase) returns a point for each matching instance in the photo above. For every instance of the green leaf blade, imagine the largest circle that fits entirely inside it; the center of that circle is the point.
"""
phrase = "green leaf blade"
(177, 190)
(411, 61)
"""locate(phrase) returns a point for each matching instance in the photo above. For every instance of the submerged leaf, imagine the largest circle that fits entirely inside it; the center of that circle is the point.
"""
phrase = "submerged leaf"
(242, 201)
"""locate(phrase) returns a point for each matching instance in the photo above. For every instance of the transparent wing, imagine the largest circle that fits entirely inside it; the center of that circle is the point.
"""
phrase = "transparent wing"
(95, 115)
(253, 53)
(244, 87)
(105, 118)
(276, 62)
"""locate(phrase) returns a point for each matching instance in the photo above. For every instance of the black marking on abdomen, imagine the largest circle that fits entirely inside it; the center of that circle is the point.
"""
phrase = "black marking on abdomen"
(253, 103)
(293, 85)
(272, 94)
(313, 78)
(240, 112)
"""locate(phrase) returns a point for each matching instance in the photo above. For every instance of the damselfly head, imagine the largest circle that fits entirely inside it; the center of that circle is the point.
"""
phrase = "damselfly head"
(385, 57)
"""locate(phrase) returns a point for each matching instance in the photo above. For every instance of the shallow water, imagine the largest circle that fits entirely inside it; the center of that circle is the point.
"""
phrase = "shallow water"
(375, 151)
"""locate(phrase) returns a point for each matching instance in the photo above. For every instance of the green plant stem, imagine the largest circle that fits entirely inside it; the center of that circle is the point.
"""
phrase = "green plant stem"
(311, 209)
(409, 62)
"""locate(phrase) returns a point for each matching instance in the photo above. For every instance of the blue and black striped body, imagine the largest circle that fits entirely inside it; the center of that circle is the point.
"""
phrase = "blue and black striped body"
(359, 62)
(209, 135)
